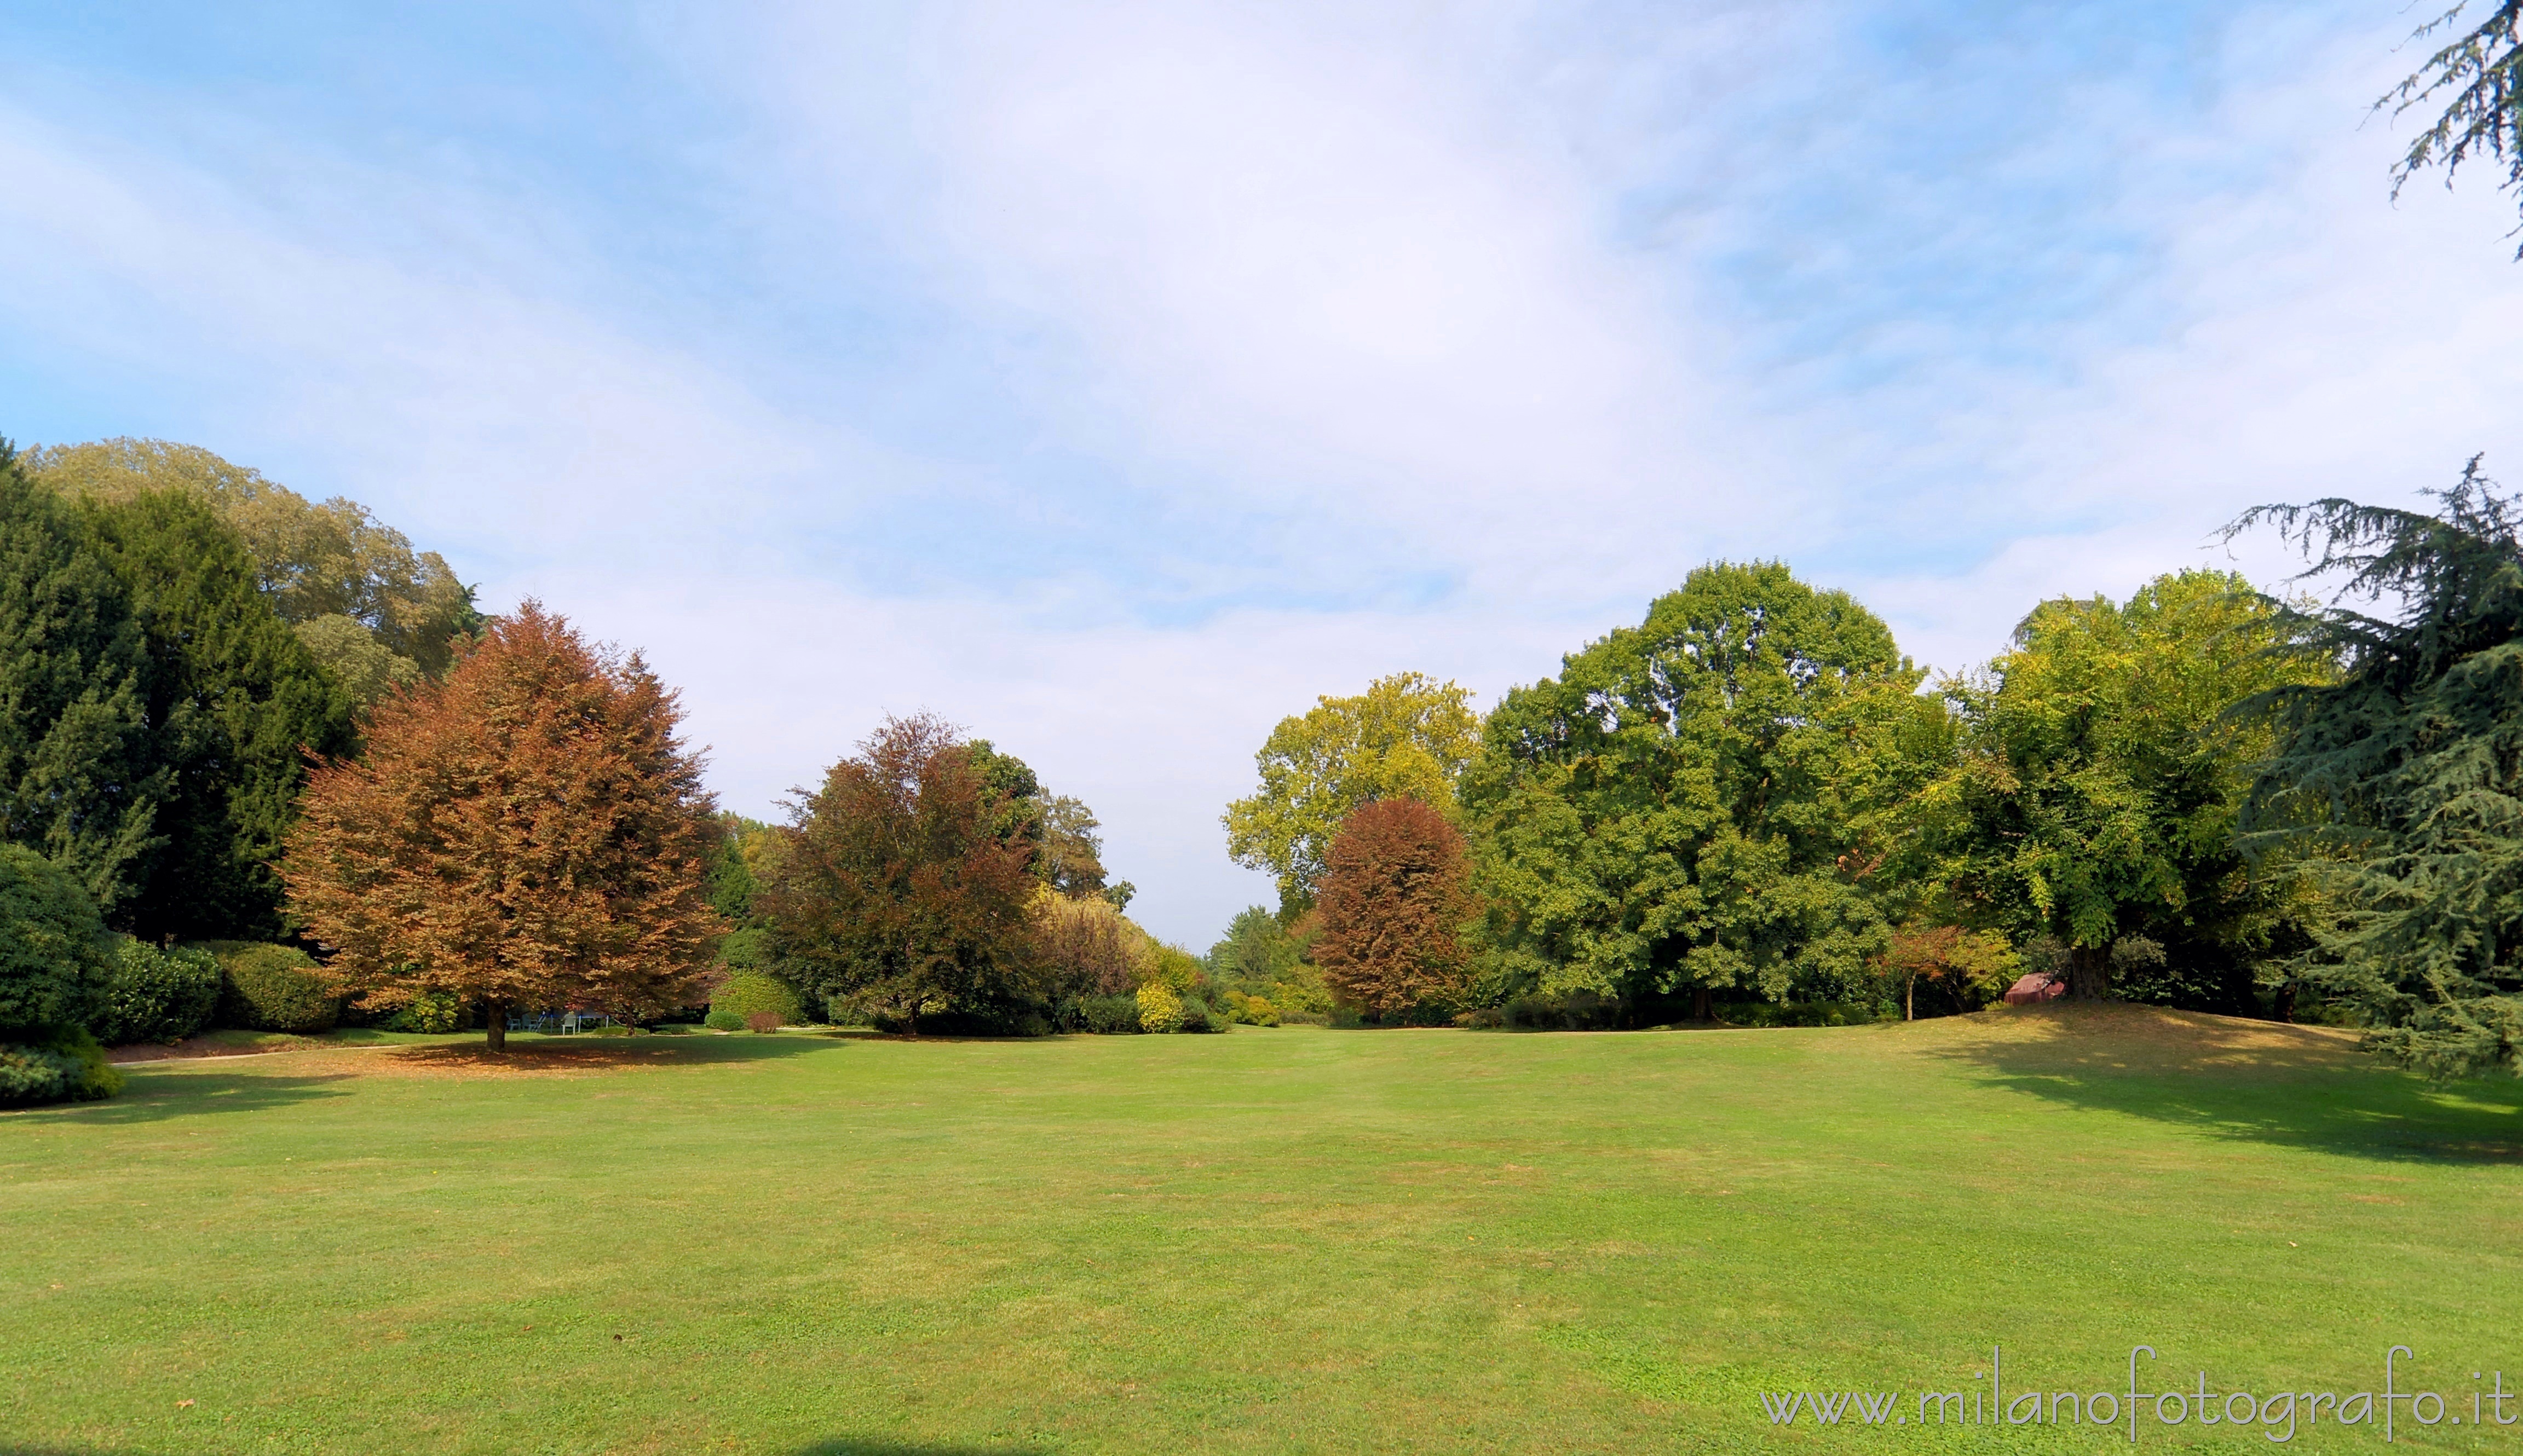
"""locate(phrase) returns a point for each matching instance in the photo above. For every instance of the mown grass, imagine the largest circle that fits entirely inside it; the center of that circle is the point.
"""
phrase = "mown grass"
(1274, 1241)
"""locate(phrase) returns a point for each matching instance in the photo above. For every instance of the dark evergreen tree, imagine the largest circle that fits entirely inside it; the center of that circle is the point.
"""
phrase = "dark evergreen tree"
(236, 703)
(2402, 780)
(80, 782)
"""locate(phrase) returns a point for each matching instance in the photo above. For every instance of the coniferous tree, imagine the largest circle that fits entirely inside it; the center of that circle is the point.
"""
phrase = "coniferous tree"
(236, 705)
(79, 781)
(2403, 777)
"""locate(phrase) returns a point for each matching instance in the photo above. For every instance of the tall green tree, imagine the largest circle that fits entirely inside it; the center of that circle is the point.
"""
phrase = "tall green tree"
(375, 612)
(80, 782)
(2097, 789)
(2401, 779)
(1698, 803)
(237, 705)
(1408, 736)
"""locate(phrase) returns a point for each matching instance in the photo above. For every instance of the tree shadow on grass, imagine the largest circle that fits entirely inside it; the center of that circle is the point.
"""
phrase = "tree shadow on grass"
(158, 1098)
(884, 1447)
(2256, 1081)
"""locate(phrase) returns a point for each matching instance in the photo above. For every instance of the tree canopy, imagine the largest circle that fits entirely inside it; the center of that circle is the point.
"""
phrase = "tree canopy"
(2479, 75)
(2400, 780)
(2095, 794)
(1407, 736)
(80, 778)
(1396, 893)
(1696, 802)
(528, 832)
(369, 607)
(900, 888)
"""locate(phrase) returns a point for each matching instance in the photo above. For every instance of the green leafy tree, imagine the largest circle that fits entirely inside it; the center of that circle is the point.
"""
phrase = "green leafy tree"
(1256, 951)
(238, 704)
(2097, 788)
(1407, 736)
(1696, 803)
(2479, 76)
(80, 782)
(1056, 830)
(2401, 779)
(328, 568)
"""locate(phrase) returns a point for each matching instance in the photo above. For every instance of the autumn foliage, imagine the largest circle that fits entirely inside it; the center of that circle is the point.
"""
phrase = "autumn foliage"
(896, 890)
(1394, 895)
(528, 833)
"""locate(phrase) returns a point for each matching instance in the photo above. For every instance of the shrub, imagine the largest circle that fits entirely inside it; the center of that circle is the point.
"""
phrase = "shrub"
(69, 1066)
(1805, 1014)
(718, 1020)
(1108, 1016)
(157, 996)
(1252, 1011)
(53, 967)
(433, 1011)
(1199, 1016)
(1482, 1019)
(761, 1021)
(1160, 1008)
(274, 988)
(750, 991)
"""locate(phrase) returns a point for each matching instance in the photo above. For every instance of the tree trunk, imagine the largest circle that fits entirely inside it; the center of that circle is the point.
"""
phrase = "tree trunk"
(1908, 998)
(495, 1024)
(2089, 973)
(1700, 1009)
(2286, 1002)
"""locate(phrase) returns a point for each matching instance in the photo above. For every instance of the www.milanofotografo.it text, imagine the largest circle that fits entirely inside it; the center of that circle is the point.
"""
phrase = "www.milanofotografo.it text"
(2483, 1401)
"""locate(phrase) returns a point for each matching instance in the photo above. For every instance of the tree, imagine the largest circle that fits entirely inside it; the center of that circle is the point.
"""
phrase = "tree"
(2400, 780)
(2479, 74)
(1407, 736)
(1089, 948)
(352, 587)
(1969, 964)
(80, 782)
(1698, 801)
(237, 705)
(1057, 831)
(528, 832)
(899, 887)
(1396, 893)
(54, 972)
(2096, 791)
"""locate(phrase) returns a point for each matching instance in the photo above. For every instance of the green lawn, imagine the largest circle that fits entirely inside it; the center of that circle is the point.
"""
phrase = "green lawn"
(1274, 1241)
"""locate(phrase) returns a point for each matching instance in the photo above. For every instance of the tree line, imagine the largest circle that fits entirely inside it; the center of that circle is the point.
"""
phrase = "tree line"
(2203, 796)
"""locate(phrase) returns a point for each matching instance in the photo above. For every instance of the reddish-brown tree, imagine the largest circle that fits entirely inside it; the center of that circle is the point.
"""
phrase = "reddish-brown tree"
(897, 892)
(528, 832)
(1395, 894)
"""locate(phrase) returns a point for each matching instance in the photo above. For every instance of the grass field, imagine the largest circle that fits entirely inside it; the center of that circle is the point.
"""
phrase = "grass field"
(1274, 1241)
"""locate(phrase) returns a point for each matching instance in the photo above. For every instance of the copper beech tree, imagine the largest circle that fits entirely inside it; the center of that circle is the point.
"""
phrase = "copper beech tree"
(896, 890)
(527, 833)
(1395, 894)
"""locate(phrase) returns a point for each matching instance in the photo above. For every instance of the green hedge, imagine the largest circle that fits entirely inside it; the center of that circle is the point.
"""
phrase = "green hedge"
(273, 988)
(157, 996)
(53, 964)
(750, 991)
(67, 1068)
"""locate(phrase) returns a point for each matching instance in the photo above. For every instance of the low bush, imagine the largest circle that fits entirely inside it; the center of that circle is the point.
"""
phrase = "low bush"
(273, 988)
(1481, 1018)
(718, 1020)
(1803, 1013)
(1252, 1011)
(1107, 1016)
(1200, 1017)
(761, 1021)
(153, 994)
(1160, 1008)
(1305, 1019)
(748, 992)
(1571, 1011)
(69, 1067)
(435, 1012)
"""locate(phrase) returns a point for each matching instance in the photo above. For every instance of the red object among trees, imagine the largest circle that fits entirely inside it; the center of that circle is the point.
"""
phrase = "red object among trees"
(2034, 988)
(528, 832)
(1396, 891)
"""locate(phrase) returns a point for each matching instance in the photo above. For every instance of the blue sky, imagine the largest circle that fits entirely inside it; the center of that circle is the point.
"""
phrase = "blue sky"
(1113, 379)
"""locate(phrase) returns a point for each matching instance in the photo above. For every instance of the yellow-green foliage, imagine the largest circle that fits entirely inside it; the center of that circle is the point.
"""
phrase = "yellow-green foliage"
(1160, 1008)
(1407, 736)
(748, 992)
(1252, 1011)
